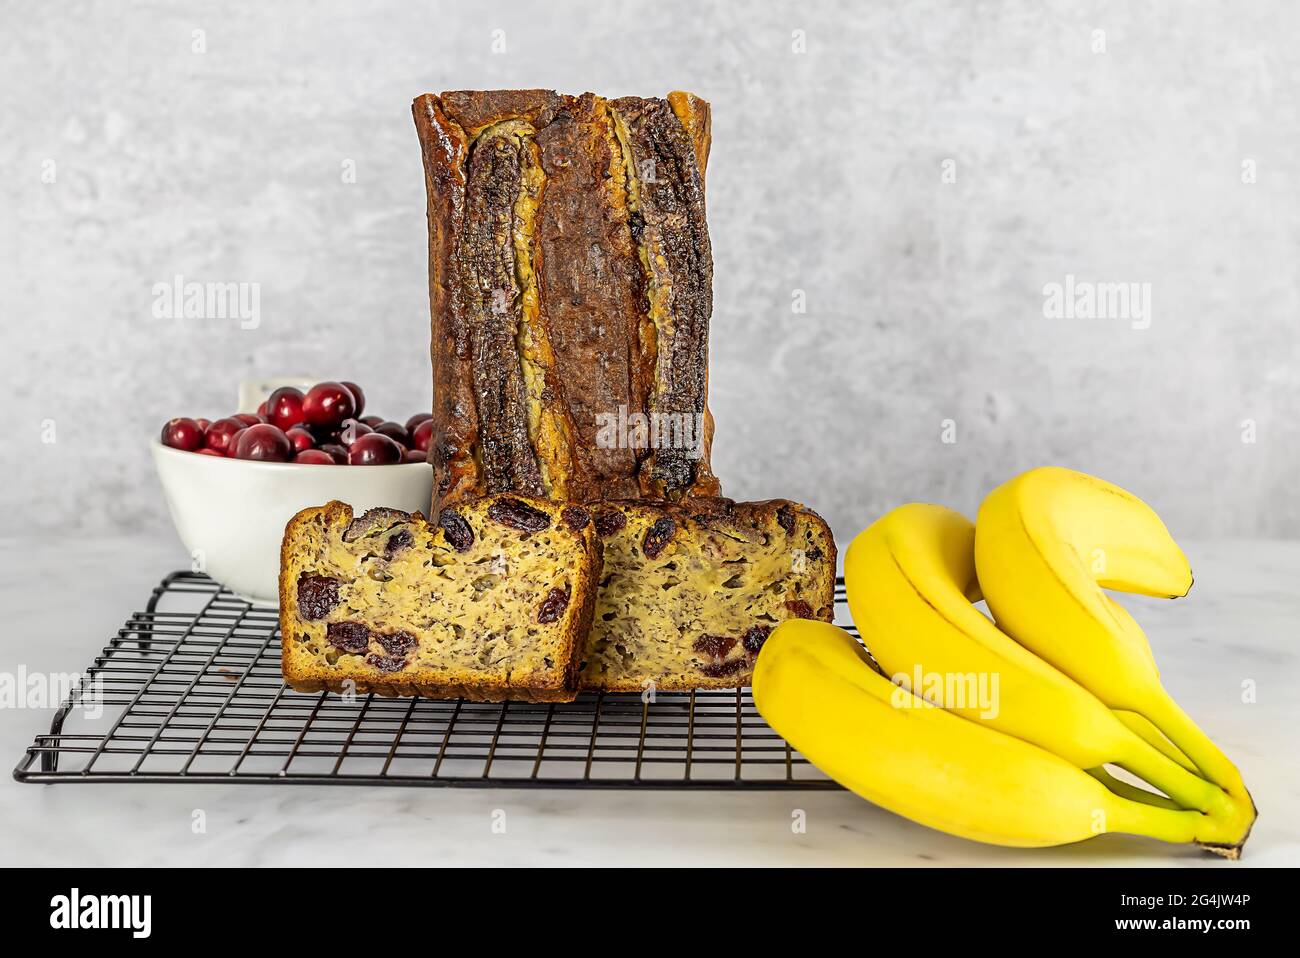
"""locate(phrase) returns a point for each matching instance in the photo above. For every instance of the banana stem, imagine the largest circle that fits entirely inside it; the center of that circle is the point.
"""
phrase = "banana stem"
(1132, 792)
(1177, 725)
(1185, 788)
(1141, 818)
(1137, 817)
(1141, 726)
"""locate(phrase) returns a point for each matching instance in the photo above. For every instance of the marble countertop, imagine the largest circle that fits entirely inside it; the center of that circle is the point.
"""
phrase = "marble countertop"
(62, 604)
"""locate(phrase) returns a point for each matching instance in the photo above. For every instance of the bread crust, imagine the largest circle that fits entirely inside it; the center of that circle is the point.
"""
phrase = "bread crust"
(559, 684)
(593, 290)
(454, 439)
(623, 293)
(669, 224)
(475, 110)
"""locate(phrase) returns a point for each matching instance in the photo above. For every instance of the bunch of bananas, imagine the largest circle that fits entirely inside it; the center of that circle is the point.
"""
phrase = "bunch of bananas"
(1001, 730)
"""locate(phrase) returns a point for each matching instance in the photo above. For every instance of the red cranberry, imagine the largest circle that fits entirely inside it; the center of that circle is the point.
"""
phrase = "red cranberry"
(284, 408)
(374, 450)
(413, 455)
(317, 596)
(210, 452)
(262, 414)
(315, 457)
(204, 424)
(328, 404)
(415, 420)
(264, 442)
(338, 453)
(247, 418)
(301, 439)
(352, 431)
(234, 441)
(800, 609)
(319, 433)
(358, 397)
(422, 435)
(371, 421)
(394, 431)
(220, 432)
(183, 434)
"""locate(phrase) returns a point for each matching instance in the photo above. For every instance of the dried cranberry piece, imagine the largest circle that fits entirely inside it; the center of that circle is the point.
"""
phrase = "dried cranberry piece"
(518, 515)
(714, 646)
(398, 643)
(756, 636)
(800, 609)
(785, 518)
(658, 536)
(398, 541)
(575, 518)
(608, 523)
(386, 663)
(317, 594)
(718, 670)
(553, 606)
(456, 530)
(350, 637)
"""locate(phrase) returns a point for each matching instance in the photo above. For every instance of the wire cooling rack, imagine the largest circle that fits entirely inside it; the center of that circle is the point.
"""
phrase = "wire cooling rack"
(190, 691)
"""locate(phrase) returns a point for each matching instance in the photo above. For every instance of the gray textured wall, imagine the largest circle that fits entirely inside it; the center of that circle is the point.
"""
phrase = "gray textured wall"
(924, 298)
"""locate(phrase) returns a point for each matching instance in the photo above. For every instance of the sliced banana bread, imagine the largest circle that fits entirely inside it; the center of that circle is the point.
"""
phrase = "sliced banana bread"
(690, 590)
(492, 602)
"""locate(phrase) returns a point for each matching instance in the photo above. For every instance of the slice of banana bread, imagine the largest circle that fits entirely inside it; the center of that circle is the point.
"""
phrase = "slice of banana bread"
(492, 602)
(690, 590)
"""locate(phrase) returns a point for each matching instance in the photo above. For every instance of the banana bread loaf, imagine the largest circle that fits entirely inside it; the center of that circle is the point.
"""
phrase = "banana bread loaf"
(492, 602)
(570, 286)
(690, 590)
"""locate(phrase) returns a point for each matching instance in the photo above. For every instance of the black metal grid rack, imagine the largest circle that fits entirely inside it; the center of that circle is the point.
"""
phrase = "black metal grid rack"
(190, 691)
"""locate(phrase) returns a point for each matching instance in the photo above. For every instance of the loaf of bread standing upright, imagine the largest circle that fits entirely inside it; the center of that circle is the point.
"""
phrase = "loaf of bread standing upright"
(570, 286)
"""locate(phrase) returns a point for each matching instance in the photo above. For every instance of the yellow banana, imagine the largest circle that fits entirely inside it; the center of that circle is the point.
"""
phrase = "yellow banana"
(911, 581)
(1156, 738)
(1046, 544)
(813, 685)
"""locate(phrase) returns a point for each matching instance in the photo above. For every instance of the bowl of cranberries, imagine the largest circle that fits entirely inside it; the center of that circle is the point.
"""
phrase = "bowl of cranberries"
(233, 483)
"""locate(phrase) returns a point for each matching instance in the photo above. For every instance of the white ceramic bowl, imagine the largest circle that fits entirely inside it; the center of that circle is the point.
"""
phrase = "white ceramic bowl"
(231, 513)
